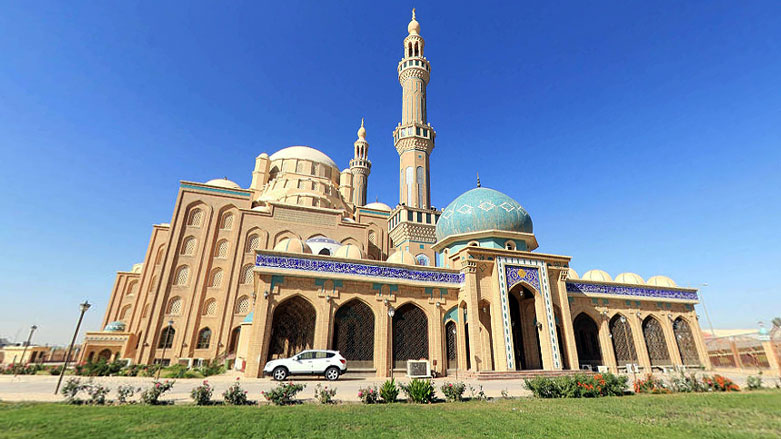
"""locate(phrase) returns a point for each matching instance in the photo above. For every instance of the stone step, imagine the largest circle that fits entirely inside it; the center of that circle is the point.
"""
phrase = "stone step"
(516, 375)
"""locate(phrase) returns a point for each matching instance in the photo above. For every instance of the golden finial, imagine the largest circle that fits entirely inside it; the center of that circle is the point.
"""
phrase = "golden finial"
(362, 131)
(478, 179)
(413, 13)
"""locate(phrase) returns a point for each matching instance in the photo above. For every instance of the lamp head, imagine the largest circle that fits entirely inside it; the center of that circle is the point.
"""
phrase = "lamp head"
(84, 306)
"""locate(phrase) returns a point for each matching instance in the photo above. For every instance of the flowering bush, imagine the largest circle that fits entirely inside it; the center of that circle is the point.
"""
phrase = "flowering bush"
(100, 368)
(419, 391)
(284, 393)
(97, 393)
(21, 369)
(578, 386)
(235, 395)
(71, 390)
(718, 383)
(453, 391)
(388, 391)
(477, 394)
(651, 384)
(369, 395)
(202, 395)
(686, 383)
(754, 382)
(152, 395)
(324, 395)
(124, 393)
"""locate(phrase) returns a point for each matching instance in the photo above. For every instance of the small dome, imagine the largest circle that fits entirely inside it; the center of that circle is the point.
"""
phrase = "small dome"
(629, 278)
(303, 153)
(349, 251)
(378, 206)
(223, 182)
(572, 274)
(661, 281)
(322, 245)
(294, 245)
(402, 257)
(597, 275)
(115, 327)
(362, 131)
(262, 208)
(413, 27)
(482, 209)
(137, 267)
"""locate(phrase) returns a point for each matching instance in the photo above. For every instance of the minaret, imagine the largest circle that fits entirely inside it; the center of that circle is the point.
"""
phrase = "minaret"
(414, 137)
(360, 167)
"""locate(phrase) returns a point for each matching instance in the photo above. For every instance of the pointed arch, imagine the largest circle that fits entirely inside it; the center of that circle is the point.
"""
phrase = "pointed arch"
(285, 234)
(166, 337)
(292, 327)
(410, 334)
(655, 342)
(188, 246)
(353, 334)
(215, 278)
(685, 340)
(246, 274)
(587, 341)
(623, 340)
(204, 338)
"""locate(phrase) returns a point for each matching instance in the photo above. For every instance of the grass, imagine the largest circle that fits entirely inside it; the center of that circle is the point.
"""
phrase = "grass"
(736, 415)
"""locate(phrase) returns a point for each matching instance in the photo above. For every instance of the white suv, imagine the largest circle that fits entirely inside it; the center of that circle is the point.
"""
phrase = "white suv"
(311, 362)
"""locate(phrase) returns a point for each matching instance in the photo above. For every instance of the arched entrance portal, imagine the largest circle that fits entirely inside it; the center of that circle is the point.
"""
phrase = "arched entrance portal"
(526, 337)
(354, 334)
(685, 340)
(587, 341)
(104, 355)
(410, 335)
(655, 343)
(451, 345)
(292, 328)
(623, 343)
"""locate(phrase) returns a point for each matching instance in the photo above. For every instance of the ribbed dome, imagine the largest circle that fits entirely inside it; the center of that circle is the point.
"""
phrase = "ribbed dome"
(402, 257)
(115, 327)
(349, 251)
(294, 245)
(303, 153)
(629, 278)
(597, 275)
(223, 182)
(661, 281)
(572, 274)
(483, 209)
(320, 243)
(378, 206)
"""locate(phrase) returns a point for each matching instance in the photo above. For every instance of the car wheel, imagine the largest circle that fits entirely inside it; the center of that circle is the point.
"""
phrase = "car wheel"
(332, 373)
(279, 374)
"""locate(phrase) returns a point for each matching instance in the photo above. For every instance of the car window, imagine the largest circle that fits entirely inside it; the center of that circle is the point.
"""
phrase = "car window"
(321, 355)
(329, 355)
(306, 356)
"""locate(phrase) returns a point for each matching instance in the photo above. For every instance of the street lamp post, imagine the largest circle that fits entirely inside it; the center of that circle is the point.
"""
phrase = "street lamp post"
(83, 307)
(165, 345)
(27, 344)
(391, 313)
(705, 308)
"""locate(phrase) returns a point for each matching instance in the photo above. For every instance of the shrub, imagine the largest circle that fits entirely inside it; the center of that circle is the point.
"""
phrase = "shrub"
(388, 391)
(754, 382)
(56, 370)
(578, 386)
(97, 393)
(152, 395)
(100, 368)
(419, 391)
(324, 395)
(453, 391)
(477, 394)
(718, 383)
(369, 395)
(202, 395)
(124, 393)
(235, 395)
(651, 384)
(686, 383)
(71, 390)
(284, 393)
(22, 369)
(211, 368)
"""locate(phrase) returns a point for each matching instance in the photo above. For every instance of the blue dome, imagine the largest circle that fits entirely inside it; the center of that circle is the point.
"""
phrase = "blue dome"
(115, 327)
(482, 209)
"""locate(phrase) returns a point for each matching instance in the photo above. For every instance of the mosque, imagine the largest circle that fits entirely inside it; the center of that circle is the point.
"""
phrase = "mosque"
(300, 260)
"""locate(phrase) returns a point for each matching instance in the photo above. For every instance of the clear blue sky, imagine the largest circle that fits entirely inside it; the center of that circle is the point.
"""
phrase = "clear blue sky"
(640, 136)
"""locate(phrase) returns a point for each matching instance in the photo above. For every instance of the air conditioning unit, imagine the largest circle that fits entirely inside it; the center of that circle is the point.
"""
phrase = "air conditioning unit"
(418, 369)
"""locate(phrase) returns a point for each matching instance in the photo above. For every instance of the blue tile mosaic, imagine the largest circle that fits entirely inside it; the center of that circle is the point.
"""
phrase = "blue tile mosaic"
(357, 269)
(517, 274)
(624, 290)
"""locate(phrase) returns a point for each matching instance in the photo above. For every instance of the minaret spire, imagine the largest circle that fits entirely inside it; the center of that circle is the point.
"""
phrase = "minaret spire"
(478, 179)
(360, 168)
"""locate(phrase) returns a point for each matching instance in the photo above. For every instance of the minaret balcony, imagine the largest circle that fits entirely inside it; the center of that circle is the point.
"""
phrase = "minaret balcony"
(425, 132)
(417, 62)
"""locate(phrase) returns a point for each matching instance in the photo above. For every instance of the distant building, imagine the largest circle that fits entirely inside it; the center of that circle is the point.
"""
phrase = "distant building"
(300, 260)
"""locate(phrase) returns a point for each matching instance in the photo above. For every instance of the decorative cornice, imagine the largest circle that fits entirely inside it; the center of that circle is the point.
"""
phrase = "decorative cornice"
(633, 291)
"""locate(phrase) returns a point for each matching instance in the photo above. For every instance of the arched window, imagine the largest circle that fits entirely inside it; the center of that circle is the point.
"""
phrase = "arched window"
(420, 180)
(272, 174)
(655, 342)
(196, 218)
(125, 313)
(166, 337)
(160, 254)
(145, 314)
(175, 306)
(215, 280)
(188, 246)
(242, 305)
(253, 243)
(222, 249)
(410, 181)
(210, 307)
(685, 340)
(324, 252)
(246, 274)
(132, 288)
(204, 336)
(509, 245)
(227, 221)
(153, 283)
(422, 259)
(181, 275)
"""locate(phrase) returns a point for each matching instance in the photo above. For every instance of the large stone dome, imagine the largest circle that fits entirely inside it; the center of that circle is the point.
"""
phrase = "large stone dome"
(303, 153)
(483, 209)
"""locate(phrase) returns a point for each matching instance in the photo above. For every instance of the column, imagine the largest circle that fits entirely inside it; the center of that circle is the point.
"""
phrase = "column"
(639, 339)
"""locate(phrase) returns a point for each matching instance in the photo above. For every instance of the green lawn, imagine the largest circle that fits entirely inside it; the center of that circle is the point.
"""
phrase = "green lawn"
(749, 415)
